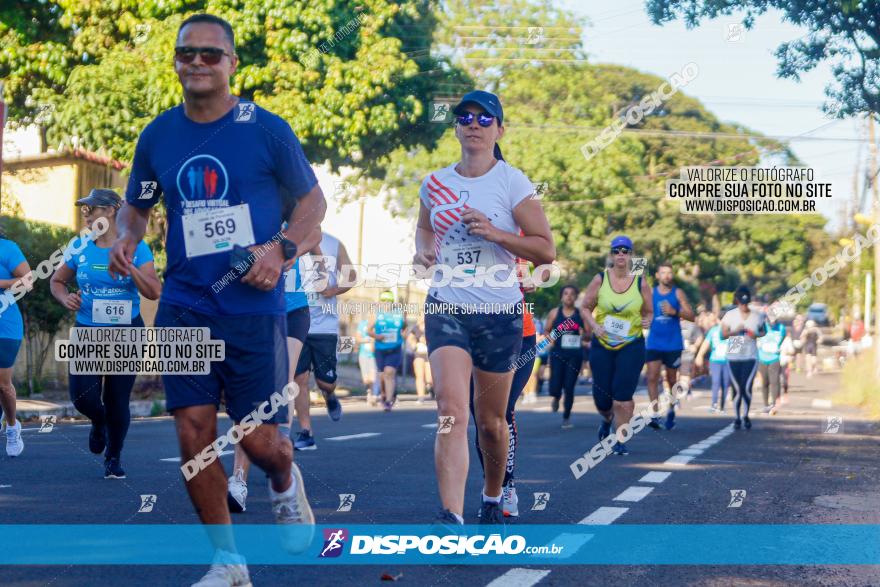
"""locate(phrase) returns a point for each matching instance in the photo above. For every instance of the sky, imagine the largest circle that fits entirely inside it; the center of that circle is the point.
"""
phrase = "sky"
(737, 81)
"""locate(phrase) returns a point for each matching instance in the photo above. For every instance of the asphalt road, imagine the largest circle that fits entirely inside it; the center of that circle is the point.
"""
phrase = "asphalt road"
(792, 469)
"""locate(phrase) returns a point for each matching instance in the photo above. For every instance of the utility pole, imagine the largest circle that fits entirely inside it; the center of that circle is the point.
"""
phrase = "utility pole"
(875, 203)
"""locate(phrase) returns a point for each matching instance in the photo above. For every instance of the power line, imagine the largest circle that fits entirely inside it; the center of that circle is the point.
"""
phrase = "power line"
(685, 134)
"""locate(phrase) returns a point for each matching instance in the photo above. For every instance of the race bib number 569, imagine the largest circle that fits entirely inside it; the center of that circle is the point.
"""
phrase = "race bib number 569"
(217, 230)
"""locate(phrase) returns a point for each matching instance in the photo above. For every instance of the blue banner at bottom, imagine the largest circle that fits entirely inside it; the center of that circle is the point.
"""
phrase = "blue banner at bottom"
(353, 544)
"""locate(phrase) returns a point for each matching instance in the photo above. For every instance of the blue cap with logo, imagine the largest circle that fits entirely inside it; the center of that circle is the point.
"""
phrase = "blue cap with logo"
(489, 101)
(621, 241)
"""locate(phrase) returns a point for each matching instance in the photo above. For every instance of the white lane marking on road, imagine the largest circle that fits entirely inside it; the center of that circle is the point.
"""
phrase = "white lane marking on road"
(634, 493)
(177, 459)
(519, 578)
(821, 403)
(694, 452)
(603, 516)
(434, 425)
(353, 436)
(678, 460)
(702, 445)
(5, 486)
(570, 544)
(655, 477)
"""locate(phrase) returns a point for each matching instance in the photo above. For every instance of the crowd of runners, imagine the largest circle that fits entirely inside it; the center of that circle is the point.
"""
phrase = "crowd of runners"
(279, 327)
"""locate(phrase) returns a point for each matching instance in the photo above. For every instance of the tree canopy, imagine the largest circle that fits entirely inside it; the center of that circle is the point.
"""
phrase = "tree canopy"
(352, 78)
(845, 33)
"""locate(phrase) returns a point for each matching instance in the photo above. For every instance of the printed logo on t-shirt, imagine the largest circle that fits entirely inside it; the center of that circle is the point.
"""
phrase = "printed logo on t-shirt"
(202, 177)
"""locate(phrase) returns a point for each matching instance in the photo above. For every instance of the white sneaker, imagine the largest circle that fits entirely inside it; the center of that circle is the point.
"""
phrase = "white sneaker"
(292, 509)
(227, 570)
(14, 443)
(236, 492)
(510, 502)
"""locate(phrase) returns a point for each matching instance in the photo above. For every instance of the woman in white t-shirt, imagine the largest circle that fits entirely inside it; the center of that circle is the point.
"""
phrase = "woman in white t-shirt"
(470, 218)
(742, 327)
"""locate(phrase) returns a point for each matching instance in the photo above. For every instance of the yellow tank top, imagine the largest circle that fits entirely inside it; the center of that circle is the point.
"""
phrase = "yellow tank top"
(619, 313)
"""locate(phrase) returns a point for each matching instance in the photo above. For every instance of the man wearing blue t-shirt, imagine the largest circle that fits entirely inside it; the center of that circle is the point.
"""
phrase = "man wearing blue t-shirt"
(220, 163)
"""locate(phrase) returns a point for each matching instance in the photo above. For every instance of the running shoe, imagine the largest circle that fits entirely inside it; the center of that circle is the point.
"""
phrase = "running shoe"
(566, 424)
(509, 502)
(304, 441)
(236, 493)
(555, 404)
(670, 420)
(446, 524)
(766, 409)
(620, 449)
(14, 442)
(737, 424)
(491, 513)
(714, 409)
(604, 430)
(747, 423)
(97, 439)
(655, 422)
(113, 470)
(387, 406)
(227, 570)
(292, 511)
(334, 408)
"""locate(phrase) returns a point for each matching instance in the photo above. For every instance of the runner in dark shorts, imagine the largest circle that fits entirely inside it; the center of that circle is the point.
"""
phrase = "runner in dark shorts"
(470, 217)
(217, 159)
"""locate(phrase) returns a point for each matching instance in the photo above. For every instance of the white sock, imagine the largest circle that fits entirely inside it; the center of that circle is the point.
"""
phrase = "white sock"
(492, 499)
(289, 492)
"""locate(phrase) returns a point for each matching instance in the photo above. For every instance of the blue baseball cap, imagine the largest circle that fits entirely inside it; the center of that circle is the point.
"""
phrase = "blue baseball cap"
(487, 100)
(621, 241)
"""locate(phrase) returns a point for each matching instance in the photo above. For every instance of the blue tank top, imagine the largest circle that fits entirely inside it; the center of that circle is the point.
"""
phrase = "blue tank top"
(388, 327)
(665, 333)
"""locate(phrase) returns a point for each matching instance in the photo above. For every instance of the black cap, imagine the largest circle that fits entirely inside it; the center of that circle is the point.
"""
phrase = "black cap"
(742, 295)
(101, 197)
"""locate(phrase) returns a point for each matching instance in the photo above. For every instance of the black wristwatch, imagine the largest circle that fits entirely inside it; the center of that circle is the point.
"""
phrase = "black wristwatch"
(289, 249)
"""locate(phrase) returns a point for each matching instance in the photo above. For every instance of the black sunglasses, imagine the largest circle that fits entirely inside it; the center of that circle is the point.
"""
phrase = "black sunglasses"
(209, 55)
(483, 119)
(619, 250)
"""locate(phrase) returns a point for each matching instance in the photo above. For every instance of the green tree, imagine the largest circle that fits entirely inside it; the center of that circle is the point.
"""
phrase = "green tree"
(842, 32)
(352, 78)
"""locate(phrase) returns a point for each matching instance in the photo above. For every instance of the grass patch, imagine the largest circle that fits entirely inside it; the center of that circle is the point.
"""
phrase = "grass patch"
(860, 386)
